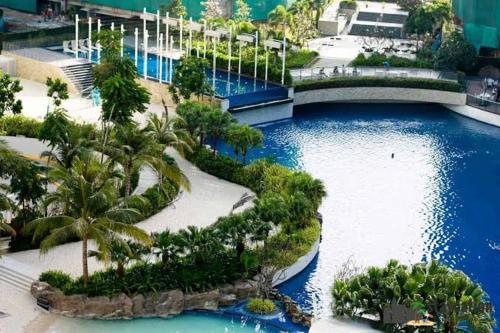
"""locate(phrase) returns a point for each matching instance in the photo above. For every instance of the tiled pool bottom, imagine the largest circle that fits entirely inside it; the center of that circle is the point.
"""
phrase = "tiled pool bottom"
(188, 322)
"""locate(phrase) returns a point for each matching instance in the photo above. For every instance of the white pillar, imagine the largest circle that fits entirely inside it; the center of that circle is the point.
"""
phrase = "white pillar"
(214, 64)
(229, 54)
(170, 60)
(144, 21)
(90, 39)
(112, 26)
(204, 39)
(160, 53)
(136, 46)
(190, 35)
(267, 64)
(77, 20)
(145, 54)
(157, 30)
(239, 59)
(181, 25)
(284, 62)
(122, 30)
(167, 37)
(98, 43)
(256, 56)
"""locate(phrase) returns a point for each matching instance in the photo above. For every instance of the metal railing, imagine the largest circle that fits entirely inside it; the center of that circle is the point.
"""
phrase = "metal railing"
(318, 73)
(483, 104)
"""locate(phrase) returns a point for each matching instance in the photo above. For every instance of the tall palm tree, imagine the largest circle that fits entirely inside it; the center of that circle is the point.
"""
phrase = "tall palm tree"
(279, 16)
(170, 132)
(92, 213)
(5, 205)
(134, 148)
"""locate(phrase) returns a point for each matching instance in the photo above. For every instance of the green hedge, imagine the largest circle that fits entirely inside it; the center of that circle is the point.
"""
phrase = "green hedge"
(348, 4)
(377, 60)
(19, 125)
(349, 82)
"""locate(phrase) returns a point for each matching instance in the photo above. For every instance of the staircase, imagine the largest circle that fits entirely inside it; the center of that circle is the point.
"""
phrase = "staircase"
(10, 275)
(81, 76)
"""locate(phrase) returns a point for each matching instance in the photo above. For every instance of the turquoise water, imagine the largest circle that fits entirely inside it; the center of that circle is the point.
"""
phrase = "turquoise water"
(185, 323)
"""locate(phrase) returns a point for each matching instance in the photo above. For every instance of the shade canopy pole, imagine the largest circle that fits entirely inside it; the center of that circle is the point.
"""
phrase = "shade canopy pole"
(77, 21)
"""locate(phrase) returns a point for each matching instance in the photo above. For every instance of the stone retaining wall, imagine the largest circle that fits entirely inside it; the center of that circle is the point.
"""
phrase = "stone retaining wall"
(161, 304)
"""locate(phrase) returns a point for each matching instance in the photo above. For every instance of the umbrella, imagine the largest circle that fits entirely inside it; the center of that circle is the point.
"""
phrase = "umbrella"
(490, 72)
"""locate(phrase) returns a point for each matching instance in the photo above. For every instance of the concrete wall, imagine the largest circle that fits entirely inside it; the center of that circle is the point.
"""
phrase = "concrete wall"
(378, 95)
(264, 113)
(304, 261)
(38, 71)
(475, 113)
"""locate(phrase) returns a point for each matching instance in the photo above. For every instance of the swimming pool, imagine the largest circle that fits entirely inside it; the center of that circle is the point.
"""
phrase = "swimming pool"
(437, 198)
(239, 89)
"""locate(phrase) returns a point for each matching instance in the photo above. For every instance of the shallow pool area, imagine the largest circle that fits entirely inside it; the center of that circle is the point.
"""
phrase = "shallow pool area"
(410, 182)
(185, 323)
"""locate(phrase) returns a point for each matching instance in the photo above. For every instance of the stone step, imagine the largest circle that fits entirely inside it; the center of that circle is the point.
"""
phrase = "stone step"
(15, 279)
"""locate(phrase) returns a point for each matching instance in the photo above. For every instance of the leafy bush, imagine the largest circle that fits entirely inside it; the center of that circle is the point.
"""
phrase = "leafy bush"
(377, 60)
(396, 82)
(348, 4)
(19, 125)
(261, 306)
(220, 166)
(300, 58)
(57, 279)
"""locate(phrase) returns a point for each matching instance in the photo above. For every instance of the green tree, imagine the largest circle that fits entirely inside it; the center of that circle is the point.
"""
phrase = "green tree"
(190, 77)
(175, 9)
(93, 213)
(409, 5)
(170, 132)
(166, 247)
(449, 295)
(134, 148)
(243, 11)
(115, 77)
(5, 205)
(57, 91)
(279, 16)
(313, 188)
(216, 125)
(242, 137)
(456, 53)
(8, 90)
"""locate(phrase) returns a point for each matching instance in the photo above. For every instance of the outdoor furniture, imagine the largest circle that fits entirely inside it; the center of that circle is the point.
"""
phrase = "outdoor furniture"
(82, 45)
(67, 47)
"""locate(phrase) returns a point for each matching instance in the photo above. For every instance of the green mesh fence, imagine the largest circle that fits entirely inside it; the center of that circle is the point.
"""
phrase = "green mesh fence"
(24, 5)
(260, 8)
(481, 20)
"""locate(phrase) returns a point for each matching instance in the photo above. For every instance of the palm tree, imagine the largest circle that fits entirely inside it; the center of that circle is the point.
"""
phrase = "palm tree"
(242, 137)
(89, 189)
(134, 148)
(198, 243)
(216, 125)
(166, 247)
(279, 16)
(5, 205)
(170, 132)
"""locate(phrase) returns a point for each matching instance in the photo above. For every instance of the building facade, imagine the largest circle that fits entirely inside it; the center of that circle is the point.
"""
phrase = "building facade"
(260, 8)
(481, 23)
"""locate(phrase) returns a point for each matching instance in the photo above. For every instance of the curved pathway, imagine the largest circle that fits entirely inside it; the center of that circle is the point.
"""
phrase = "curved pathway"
(210, 198)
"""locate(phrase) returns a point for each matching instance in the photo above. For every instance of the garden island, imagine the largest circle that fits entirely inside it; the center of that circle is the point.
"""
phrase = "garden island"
(249, 166)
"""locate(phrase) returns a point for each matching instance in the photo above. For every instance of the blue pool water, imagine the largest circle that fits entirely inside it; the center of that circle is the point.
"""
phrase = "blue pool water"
(241, 90)
(437, 198)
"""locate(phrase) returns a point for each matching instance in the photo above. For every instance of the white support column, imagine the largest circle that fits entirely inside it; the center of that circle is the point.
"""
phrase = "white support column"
(170, 69)
(157, 30)
(122, 30)
(229, 54)
(214, 63)
(239, 59)
(181, 26)
(98, 44)
(77, 20)
(267, 64)
(90, 39)
(145, 54)
(284, 62)
(112, 26)
(160, 63)
(167, 36)
(190, 35)
(256, 60)
(204, 38)
(144, 21)
(136, 46)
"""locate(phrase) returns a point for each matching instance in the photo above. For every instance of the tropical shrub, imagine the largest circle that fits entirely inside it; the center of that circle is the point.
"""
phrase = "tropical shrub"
(261, 306)
(300, 58)
(448, 295)
(57, 279)
(378, 59)
(350, 82)
(348, 4)
(220, 166)
(19, 125)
